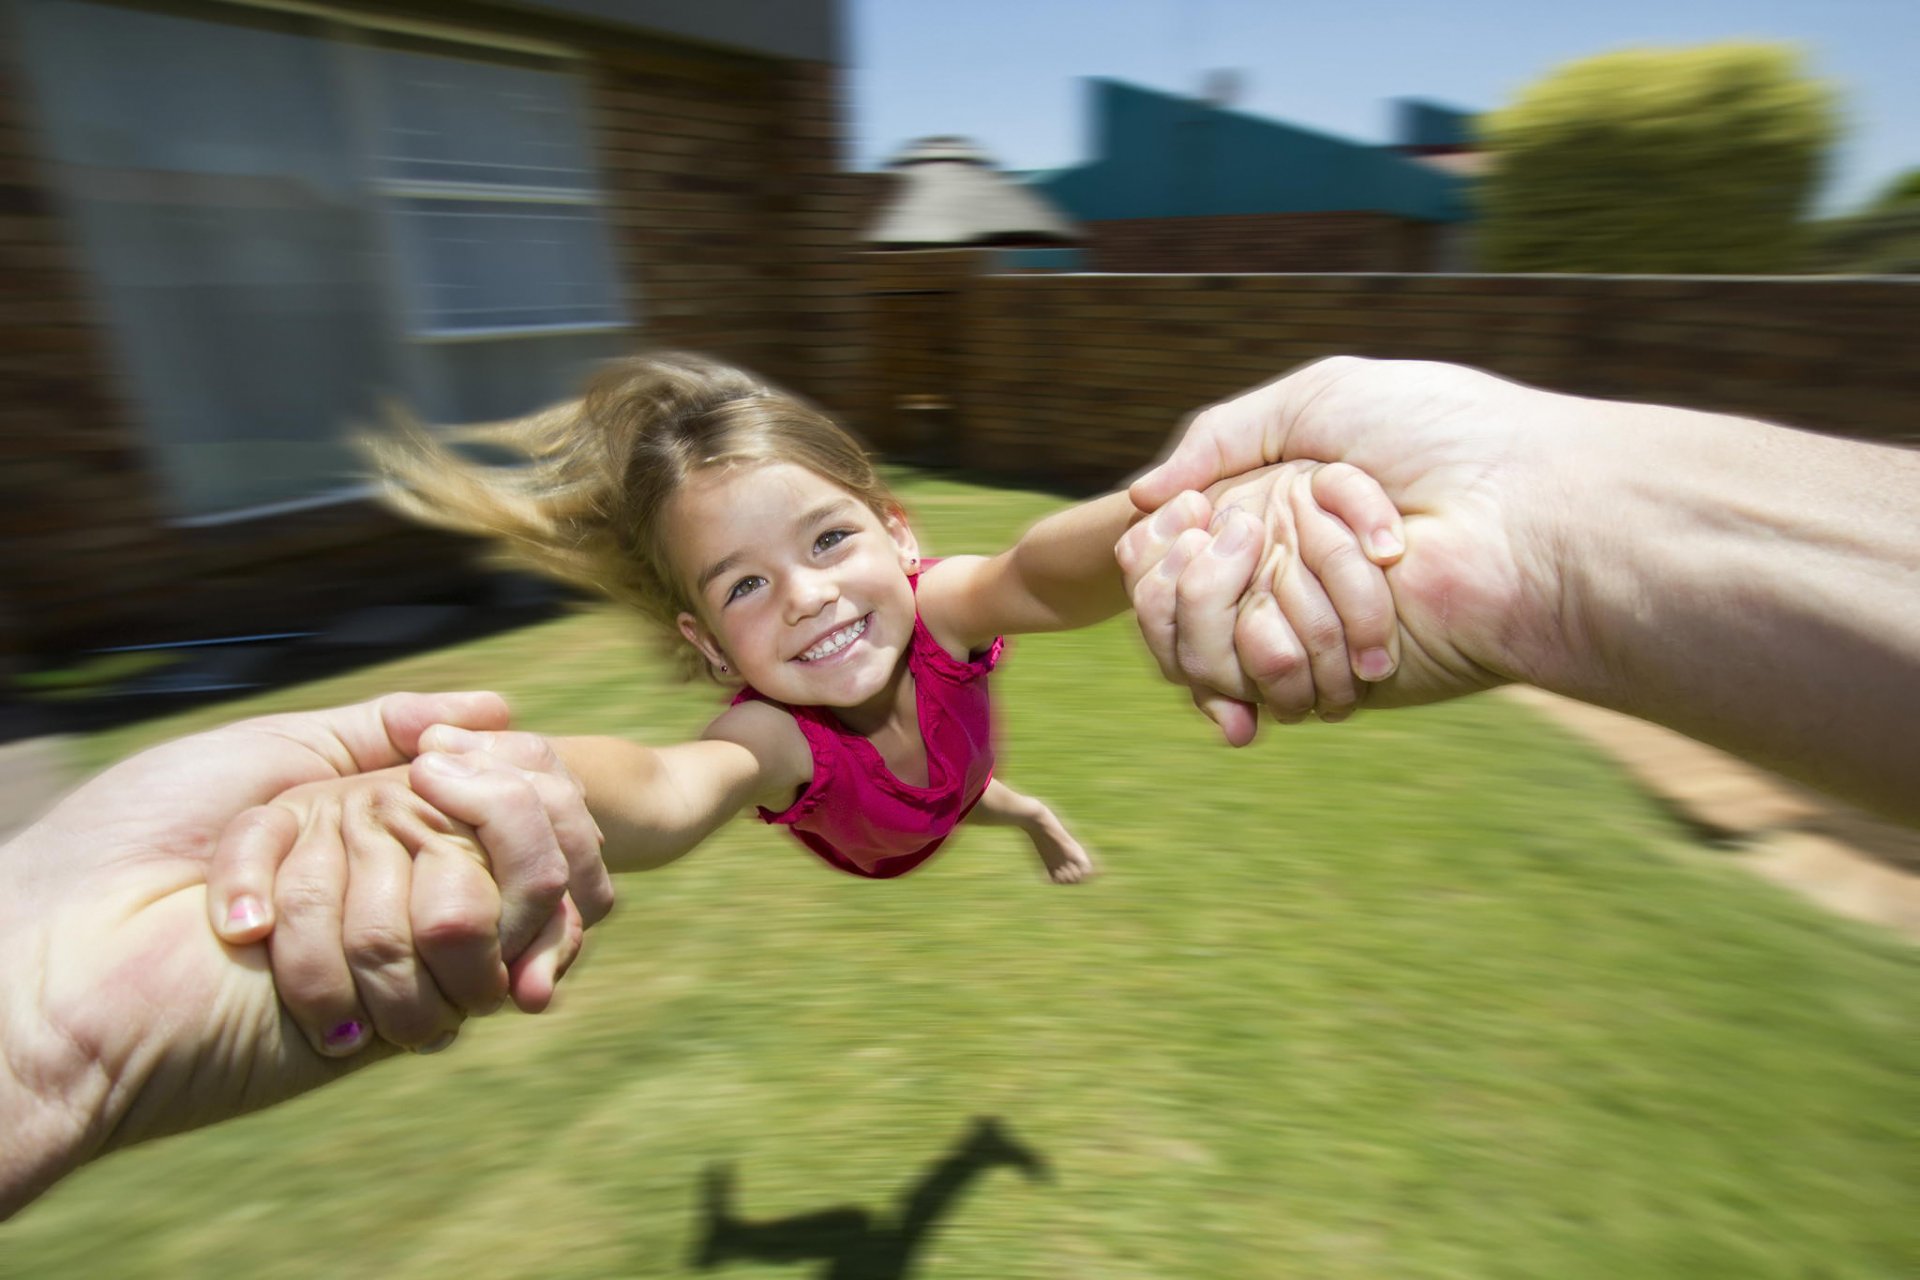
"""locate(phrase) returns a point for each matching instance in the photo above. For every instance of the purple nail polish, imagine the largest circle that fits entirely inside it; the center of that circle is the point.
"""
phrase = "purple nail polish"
(346, 1035)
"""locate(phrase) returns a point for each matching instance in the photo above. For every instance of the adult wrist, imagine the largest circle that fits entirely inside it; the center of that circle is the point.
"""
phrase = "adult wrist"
(53, 1095)
(1549, 503)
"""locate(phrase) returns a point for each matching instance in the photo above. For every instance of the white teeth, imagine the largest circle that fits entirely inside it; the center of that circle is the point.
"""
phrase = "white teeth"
(836, 642)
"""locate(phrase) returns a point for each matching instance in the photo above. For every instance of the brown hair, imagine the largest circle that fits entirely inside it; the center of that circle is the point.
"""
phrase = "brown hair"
(582, 497)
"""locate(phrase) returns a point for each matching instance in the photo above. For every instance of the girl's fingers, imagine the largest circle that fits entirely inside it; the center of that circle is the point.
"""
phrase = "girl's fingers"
(1271, 655)
(1313, 619)
(1354, 583)
(1146, 543)
(455, 923)
(1207, 601)
(241, 872)
(1157, 600)
(309, 967)
(399, 995)
(541, 966)
(1356, 498)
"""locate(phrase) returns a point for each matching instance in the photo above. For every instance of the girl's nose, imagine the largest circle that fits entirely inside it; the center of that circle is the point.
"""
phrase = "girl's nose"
(808, 592)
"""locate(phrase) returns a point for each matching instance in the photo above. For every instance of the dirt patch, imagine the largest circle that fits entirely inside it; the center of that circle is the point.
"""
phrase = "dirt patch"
(1846, 860)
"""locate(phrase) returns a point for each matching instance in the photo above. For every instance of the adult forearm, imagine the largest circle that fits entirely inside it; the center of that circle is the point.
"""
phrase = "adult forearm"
(1757, 588)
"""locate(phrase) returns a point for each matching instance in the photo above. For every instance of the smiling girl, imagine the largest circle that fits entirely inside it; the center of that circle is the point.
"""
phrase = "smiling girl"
(752, 527)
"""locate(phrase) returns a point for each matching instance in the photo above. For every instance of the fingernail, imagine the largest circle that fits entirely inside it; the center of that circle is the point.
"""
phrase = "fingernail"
(438, 1043)
(346, 1037)
(452, 766)
(1333, 717)
(1374, 664)
(245, 912)
(1387, 543)
(450, 737)
(1234, 534)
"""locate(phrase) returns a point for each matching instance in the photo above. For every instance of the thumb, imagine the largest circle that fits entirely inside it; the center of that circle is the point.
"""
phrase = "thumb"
(1196, 463)
(406, 716)
(1238, 435)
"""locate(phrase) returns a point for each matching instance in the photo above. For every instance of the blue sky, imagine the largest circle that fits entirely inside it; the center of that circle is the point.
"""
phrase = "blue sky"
(1007, 72)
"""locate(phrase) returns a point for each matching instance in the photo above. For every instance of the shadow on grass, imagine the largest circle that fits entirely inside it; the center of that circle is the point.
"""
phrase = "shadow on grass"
(853, 1243)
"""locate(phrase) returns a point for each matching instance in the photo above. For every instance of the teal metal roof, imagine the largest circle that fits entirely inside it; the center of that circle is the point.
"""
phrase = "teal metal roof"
(1158, 155)
(1418, 123)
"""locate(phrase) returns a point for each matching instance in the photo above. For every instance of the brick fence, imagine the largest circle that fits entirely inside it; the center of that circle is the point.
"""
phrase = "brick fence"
(1081, 378)
(1323, 242)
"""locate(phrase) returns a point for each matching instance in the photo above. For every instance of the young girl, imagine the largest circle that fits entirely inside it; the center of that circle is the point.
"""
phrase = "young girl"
(753, 528)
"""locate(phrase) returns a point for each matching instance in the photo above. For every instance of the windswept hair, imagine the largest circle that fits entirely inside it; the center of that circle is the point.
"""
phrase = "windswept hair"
(581, 495)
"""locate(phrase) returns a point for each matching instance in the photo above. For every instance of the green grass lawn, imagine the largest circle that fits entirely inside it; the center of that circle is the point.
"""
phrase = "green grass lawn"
(1433, 994)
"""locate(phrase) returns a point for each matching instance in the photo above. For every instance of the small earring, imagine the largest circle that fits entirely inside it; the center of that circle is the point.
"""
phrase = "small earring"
(725, 669)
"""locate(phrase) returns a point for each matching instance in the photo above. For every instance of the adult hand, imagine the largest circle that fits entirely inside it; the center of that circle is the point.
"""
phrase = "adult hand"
(1294, 597)
(124, 1017)
(1753, 586)
(414, 939)
(1476, 466)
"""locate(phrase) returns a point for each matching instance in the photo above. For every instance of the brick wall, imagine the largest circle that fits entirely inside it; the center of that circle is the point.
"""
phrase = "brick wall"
(1320, 242)
(734, 226)
(79, 520)
(1081, 379)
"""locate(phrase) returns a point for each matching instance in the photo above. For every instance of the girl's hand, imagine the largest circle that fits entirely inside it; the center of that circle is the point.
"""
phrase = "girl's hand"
(1304, 616)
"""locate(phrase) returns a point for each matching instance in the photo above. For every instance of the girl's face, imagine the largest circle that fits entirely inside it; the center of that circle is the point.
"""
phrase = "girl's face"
(800, 588)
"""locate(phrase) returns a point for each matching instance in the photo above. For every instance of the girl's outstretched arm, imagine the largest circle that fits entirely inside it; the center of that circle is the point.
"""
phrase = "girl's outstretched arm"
(1061, 574)
(656, 803)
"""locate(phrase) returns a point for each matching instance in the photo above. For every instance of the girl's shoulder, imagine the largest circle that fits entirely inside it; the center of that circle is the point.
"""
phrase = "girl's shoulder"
(945, 598)
(775, 738)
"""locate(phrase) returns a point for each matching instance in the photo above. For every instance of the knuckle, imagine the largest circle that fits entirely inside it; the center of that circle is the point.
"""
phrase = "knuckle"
(1343, 557)
(301, 898)
(449, 926)
(1274, 668)
(378, 947)
(547, 881)
(1324, 634)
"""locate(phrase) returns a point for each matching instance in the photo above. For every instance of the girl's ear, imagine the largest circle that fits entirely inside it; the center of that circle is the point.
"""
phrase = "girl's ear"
(702, 639)
(902, 534)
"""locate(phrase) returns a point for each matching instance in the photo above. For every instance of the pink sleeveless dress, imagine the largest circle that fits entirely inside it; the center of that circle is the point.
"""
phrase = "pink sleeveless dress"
(854, 813)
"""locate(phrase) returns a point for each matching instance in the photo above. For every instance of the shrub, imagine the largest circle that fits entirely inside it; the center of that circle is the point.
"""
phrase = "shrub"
(1664, 161)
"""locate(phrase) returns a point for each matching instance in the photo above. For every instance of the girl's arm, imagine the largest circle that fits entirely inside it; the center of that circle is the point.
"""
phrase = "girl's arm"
(1061, 574)
(656, 803)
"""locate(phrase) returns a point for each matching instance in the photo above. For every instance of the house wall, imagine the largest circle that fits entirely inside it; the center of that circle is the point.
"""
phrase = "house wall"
(1261, 242)
(734, 226)
(1081, 379)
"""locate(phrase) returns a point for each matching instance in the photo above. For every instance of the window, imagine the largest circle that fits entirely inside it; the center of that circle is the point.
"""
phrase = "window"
(289, 220)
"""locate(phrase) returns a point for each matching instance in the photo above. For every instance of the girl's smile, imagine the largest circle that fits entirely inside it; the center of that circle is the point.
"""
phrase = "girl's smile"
(799, 587)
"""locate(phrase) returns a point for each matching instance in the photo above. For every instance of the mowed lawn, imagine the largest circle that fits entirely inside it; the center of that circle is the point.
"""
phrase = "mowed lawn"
(1428, 994)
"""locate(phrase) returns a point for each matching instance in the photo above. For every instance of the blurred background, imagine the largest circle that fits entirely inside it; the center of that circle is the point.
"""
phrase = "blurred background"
(236, 231)
(1456, 997)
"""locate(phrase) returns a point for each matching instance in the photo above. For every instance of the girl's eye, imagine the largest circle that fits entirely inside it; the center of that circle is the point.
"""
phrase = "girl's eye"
(831, 538)
(743, 587)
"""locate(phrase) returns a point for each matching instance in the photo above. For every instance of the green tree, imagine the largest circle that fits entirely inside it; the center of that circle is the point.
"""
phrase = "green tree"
(1902, 193)
(1658, 160)
(1881, 238)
